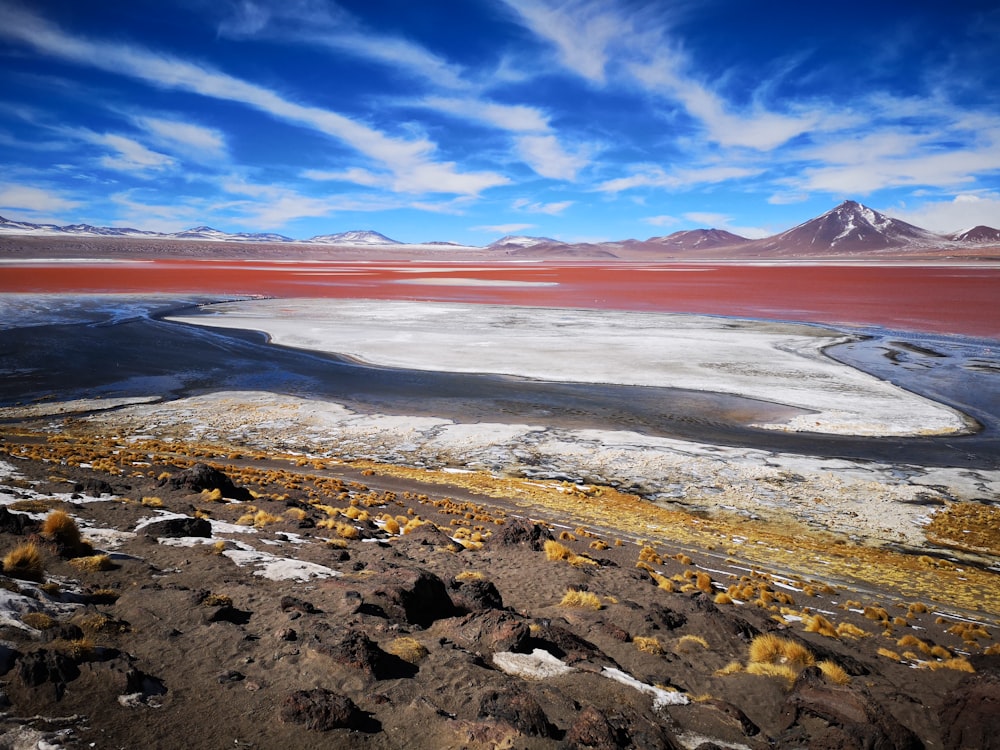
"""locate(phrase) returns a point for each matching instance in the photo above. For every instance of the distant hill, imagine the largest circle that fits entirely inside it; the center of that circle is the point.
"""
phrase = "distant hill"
(849, 229)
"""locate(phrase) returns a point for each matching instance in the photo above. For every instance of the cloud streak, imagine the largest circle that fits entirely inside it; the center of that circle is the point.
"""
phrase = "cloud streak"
(409, 160)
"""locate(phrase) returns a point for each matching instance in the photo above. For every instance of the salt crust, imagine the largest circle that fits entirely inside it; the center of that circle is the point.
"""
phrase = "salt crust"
(661, 698)
(884, 501)
(538, 665)
(777, 362)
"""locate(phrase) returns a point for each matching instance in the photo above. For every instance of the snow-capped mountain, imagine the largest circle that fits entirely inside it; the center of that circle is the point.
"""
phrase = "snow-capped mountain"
(694, 239)
(85, 230)
(978, 235)
(849, 228)
(511, 241)
(356, 237)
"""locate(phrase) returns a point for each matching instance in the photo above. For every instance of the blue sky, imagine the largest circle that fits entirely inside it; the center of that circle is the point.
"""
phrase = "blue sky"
(464, 120)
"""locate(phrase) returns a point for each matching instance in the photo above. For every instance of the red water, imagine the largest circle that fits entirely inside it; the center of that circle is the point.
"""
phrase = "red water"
(940, 299)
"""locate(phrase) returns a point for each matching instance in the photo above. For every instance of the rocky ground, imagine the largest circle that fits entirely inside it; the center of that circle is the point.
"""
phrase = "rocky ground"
(242, 600)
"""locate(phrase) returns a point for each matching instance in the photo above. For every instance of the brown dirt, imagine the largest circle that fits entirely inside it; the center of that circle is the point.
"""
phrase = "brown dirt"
(177, 645)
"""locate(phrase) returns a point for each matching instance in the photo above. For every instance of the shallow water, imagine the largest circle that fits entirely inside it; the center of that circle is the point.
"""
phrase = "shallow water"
(116, 347)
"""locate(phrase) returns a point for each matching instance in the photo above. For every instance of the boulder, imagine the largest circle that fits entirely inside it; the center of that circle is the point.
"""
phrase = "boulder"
(202, 477)
(475, 596)
(970, 715)
(520, 533)
(517, 708)
(847, 717)
(179, 527)
(409, 595)
(321, 710)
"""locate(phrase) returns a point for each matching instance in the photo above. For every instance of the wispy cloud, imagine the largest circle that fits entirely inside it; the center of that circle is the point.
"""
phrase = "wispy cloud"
(513, 117)
(330, 26)
(546, 155)
(963, 211)
(129, 155)
(201, 143)
(663, 220)
(409, 160)
(552, 209)
(653, 176)
(34, 199)
(503, 228)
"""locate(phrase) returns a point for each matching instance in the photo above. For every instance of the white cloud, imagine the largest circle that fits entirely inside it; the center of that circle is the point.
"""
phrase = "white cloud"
(185, 137)
(130, 155)
(523, 204)
(663, 220)
(582, 32)
(354, 175)
(545, 155)
(327, 25)
(34, 199)
(511, 117)
(410, 160)
(654, 176)
(964, 211)
(503, 228)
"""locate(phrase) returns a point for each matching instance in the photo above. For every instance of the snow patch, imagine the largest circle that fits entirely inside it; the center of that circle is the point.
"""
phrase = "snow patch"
(538, 665)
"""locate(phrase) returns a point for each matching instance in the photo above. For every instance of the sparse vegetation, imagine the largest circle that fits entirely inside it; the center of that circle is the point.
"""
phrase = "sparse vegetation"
(93, 563)
(408, 649)
(649, 645)
(25, 562)
(581, 599)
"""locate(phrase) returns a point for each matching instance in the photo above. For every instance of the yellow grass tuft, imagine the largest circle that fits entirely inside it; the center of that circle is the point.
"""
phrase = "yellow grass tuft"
(882, 651)
(733, 667)
(723, 598)
(408, 649)
(648, 645)
(819, 624)
(152, 502)
(61, 528)
(37, 620)
(93, 563)
(834, 672)
(649, 555)
(258, 519)
(582, 599)
(770, 649)
(556, 551)
(692, 640)
(960, 664)
(470, 575)
(212, 496)
(391, 526)
(847, 630)
(25, 562)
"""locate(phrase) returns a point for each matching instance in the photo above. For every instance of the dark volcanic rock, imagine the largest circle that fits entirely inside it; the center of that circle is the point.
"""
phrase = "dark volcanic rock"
(178, 527)
(851, 717)
(17, 523)
(357, 651)
(201, 477)
(94, 486)
(493, 630)
(45, 666)
(410, 595)
(519, 533)
(321, 710)
(517, 708)
(568, 646)
(592, 729)
(970, 716)
(475, 596)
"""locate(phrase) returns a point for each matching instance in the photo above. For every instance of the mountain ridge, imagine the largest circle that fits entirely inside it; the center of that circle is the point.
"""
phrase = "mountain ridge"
(849, 228)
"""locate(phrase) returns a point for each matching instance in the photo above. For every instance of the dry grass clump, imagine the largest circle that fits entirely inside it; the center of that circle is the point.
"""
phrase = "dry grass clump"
(93, 563)
(25, 562)
(733, 667)
(782, 671)
(819, 624)
(37, 620)
(649, 555)
(390, 525)
(723, 598)
(960, 664)
(555, 551)
(967, 526)
(258, 518)
(60, 527)
(689, 640)
(470, 575)
(834, 672)
(408, 649)
(582, 599)
(152, 502)
(888, 654)
(217, 600)
(847, 630)
(648, 645)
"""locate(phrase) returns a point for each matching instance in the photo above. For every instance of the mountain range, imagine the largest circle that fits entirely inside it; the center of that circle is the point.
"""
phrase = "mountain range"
(846, 230)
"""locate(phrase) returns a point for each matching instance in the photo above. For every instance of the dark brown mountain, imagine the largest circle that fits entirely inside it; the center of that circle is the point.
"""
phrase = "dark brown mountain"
(979, 235)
